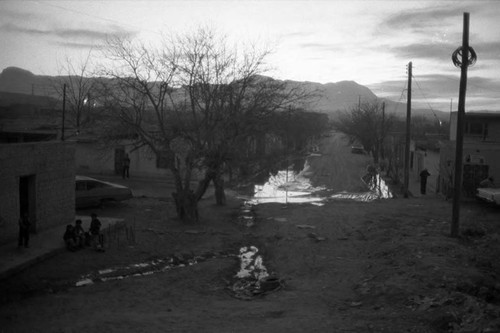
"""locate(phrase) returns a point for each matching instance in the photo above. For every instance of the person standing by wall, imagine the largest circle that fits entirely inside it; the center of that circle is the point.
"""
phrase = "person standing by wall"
(24, 230)
(95, 232)
(423, 180)
(126, 166)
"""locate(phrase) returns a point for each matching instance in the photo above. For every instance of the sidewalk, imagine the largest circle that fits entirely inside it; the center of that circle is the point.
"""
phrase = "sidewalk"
(43, 245)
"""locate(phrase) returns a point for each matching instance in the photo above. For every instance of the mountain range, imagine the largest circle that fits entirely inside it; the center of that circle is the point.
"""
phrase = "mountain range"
(19, 86)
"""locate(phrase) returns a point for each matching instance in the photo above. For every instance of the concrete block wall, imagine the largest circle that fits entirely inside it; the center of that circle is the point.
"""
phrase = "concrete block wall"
(93, 158)
(53, 166)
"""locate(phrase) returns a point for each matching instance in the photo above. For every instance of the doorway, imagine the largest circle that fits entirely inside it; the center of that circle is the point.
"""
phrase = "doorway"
(119, 155)
(27, 199)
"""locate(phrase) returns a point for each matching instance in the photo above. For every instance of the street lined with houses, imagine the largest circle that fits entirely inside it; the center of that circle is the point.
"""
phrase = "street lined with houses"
(385, 265)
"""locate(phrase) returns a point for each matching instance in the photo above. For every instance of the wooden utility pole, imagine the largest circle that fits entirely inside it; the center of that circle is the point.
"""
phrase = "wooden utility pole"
(382, 134)
(63, 111)
(460, 129)
(408, 132)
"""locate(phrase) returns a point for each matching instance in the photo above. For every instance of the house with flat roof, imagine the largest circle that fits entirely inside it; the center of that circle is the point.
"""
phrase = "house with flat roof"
(481, 152)
(37, 178)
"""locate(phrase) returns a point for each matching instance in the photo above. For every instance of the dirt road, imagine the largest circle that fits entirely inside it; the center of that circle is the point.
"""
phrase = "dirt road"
(346, 266)
(337, 168)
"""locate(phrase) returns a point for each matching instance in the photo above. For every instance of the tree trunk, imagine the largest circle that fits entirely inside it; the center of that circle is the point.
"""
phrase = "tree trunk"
(375, 155)
(186, 205)
(218, 181)
(220, 195)
(203, 184)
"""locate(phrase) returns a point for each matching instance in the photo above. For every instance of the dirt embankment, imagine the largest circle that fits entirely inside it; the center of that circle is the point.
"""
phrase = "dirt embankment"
(347, 266)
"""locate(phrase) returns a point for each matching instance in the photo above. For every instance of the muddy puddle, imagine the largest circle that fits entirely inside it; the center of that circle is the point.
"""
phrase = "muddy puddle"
(145, 268)
(253, 278)
(291, 187)
(288, 186)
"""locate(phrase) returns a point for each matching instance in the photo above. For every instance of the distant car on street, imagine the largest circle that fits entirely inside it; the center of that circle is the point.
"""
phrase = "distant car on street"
(91, 192)
(358, 149)
(491, 195)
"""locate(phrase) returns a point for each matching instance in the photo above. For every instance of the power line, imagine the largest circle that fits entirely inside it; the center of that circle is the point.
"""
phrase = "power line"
(94, 16)
(401, 96)
(425, 98)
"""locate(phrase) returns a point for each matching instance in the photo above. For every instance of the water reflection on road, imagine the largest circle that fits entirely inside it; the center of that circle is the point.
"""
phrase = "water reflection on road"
(288, 186)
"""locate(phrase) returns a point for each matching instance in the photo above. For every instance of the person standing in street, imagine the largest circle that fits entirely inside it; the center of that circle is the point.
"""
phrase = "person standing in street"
(24, 230)
(423, 180)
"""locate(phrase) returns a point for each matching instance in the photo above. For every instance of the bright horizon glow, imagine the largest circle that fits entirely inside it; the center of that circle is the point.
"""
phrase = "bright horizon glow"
(369, 42)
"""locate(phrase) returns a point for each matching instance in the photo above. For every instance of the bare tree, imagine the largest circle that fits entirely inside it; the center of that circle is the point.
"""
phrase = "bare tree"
(366, 124)
(80, 92)
(192, 102)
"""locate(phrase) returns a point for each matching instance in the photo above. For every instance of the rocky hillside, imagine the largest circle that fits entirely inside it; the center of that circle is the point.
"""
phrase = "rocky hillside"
(330, 97)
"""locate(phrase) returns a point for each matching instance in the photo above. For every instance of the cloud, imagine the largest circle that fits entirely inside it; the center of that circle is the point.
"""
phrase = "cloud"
(320, 47)
(443, 51)
(436, 91)
(9, 14)
(80, 45)
(296, 34)
(84, 35)
(437, 51)
(487, 50)
(423, 18)
(14, 28)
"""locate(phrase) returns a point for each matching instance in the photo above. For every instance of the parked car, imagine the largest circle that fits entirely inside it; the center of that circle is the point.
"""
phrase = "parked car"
(92, 192)
(358, 149)
(489, 194)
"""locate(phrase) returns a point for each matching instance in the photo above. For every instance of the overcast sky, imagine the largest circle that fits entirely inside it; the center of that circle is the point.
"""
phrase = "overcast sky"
(370, 42)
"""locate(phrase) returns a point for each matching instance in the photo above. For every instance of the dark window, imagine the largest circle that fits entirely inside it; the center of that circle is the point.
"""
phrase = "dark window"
(162, 160)
(475, 128)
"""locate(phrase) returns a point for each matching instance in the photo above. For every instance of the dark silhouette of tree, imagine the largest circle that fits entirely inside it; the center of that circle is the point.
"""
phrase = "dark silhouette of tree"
(81, 92)
(193, 102)
(368, 125)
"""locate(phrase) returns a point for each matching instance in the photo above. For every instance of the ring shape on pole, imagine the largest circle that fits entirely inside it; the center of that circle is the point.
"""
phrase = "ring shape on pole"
(456, 57)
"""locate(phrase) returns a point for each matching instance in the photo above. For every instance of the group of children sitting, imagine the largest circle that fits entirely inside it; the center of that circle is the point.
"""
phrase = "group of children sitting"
(76, 238)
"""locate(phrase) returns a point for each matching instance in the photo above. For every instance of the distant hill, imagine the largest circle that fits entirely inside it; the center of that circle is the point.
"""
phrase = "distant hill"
(331, 97)
(17, 80)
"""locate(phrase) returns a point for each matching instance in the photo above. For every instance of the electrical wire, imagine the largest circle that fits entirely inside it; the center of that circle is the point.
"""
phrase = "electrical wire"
(458, 54)
(425, 98)
(45, 3)
(405, 88)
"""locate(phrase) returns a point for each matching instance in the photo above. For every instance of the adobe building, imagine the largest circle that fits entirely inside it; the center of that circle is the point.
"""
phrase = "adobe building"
(38, 178)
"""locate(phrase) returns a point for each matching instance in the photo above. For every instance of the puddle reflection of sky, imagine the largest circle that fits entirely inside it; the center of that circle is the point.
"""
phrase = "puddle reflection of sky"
(288, 186)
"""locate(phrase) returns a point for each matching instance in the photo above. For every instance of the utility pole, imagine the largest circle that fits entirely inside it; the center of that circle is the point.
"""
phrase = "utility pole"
(287, 152)
(63, 111)
(408, 136)
(460, 124)
(382, 133)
